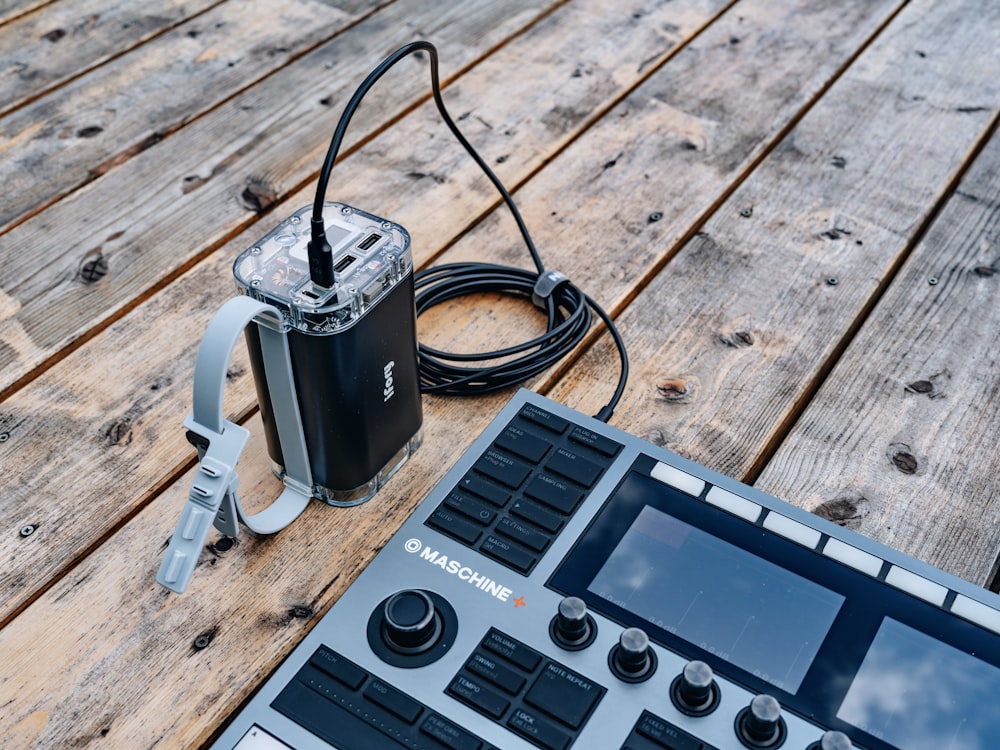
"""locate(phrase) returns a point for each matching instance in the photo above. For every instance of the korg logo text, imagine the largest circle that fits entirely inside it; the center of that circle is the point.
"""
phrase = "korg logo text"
(467, 574)
(388, 390)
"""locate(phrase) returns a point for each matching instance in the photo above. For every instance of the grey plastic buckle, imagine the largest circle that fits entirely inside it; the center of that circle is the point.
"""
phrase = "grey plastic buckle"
(547, 283)
(213, 499)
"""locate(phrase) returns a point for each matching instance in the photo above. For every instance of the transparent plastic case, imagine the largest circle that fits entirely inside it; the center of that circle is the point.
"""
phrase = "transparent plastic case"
(370, 256)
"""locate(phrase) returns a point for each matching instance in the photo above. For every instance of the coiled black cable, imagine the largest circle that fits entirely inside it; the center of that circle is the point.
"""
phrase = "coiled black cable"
(568, 310)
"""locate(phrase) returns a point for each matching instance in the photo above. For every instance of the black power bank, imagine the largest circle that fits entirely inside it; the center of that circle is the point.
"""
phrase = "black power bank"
(353, 348)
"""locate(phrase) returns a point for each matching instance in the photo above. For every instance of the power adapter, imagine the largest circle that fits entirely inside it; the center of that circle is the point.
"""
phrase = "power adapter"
(352, 347)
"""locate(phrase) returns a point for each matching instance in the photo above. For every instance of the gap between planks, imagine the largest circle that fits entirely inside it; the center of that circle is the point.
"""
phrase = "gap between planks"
(12, 12)
(173, 274)
(160, 133)
(801, 404)
(550, 379)
(97, 61)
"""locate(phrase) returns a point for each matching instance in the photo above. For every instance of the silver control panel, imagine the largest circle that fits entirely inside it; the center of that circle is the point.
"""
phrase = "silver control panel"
(567, 585)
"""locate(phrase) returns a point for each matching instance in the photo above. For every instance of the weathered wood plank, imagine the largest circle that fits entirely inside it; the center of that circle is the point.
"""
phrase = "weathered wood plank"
(61, 141)
(900, 442)
(119, 425)
(215, 175)
(11, 9)
(310, 563)
(40, 50)
(731, 338)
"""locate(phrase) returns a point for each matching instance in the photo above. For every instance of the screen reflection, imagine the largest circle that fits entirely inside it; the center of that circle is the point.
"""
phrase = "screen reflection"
(719, 597)
(917, 693)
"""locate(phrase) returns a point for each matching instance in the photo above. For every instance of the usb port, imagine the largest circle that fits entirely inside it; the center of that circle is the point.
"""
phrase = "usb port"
(343, 263)
(368, 242)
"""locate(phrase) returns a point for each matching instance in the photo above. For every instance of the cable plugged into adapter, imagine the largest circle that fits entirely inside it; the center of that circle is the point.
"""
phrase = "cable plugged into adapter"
(320, 254)
(568, 310)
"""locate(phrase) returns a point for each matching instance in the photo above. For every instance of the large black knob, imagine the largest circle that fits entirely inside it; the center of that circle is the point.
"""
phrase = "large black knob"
(410, 624)
(572, 628)
(832, 740)
(694, 691)
(412, 628)
(760, 725)
(632, 660)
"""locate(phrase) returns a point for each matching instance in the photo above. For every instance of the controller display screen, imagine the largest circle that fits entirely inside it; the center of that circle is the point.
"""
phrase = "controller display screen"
(916, 692)
(719, 597)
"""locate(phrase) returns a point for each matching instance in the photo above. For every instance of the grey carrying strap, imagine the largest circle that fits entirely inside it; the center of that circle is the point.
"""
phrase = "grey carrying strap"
(213, 498)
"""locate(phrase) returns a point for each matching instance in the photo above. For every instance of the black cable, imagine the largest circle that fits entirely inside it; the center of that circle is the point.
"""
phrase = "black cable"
(569, 310)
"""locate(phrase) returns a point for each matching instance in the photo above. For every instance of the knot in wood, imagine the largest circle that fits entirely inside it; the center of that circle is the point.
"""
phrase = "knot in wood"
(920, 386)
(738, 332)
(676, 389)
(902, 458)
(258, 195)
(301, 612)
(203, 640)
(224, 544)
(933, 387)
(119, 433)
(94, 268)
(735, 337)
(840, 510)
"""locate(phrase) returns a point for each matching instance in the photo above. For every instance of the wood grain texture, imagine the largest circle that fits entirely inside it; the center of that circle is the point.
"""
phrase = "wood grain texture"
(731, 338)
(43, 49)
(113, 398)
(61, 141)
(11, 9)
(253, 602)
(900, 442)
(218, 174)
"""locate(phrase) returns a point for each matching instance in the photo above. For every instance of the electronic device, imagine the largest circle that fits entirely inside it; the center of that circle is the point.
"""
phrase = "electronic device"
(335, 367)
(569, 585)
(352, 347)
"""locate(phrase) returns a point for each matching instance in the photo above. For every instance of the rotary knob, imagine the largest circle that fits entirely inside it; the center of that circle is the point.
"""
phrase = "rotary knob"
(760, 725)
(572, 628)
(632, 660)
(832, 741)
(410, 624)
(694, 691)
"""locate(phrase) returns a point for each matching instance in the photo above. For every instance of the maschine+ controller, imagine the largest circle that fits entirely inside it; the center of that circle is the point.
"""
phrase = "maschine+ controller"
(569, 585)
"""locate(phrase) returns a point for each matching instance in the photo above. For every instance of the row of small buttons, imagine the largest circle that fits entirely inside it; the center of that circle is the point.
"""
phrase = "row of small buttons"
(523, 488)
(328, 681)
(847, 554)
(512, 684)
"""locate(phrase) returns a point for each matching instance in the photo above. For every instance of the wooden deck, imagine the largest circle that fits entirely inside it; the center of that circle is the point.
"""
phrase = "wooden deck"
(791, 209)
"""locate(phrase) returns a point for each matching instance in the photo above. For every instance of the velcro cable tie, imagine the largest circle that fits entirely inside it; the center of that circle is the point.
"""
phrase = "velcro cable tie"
(548, 282)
